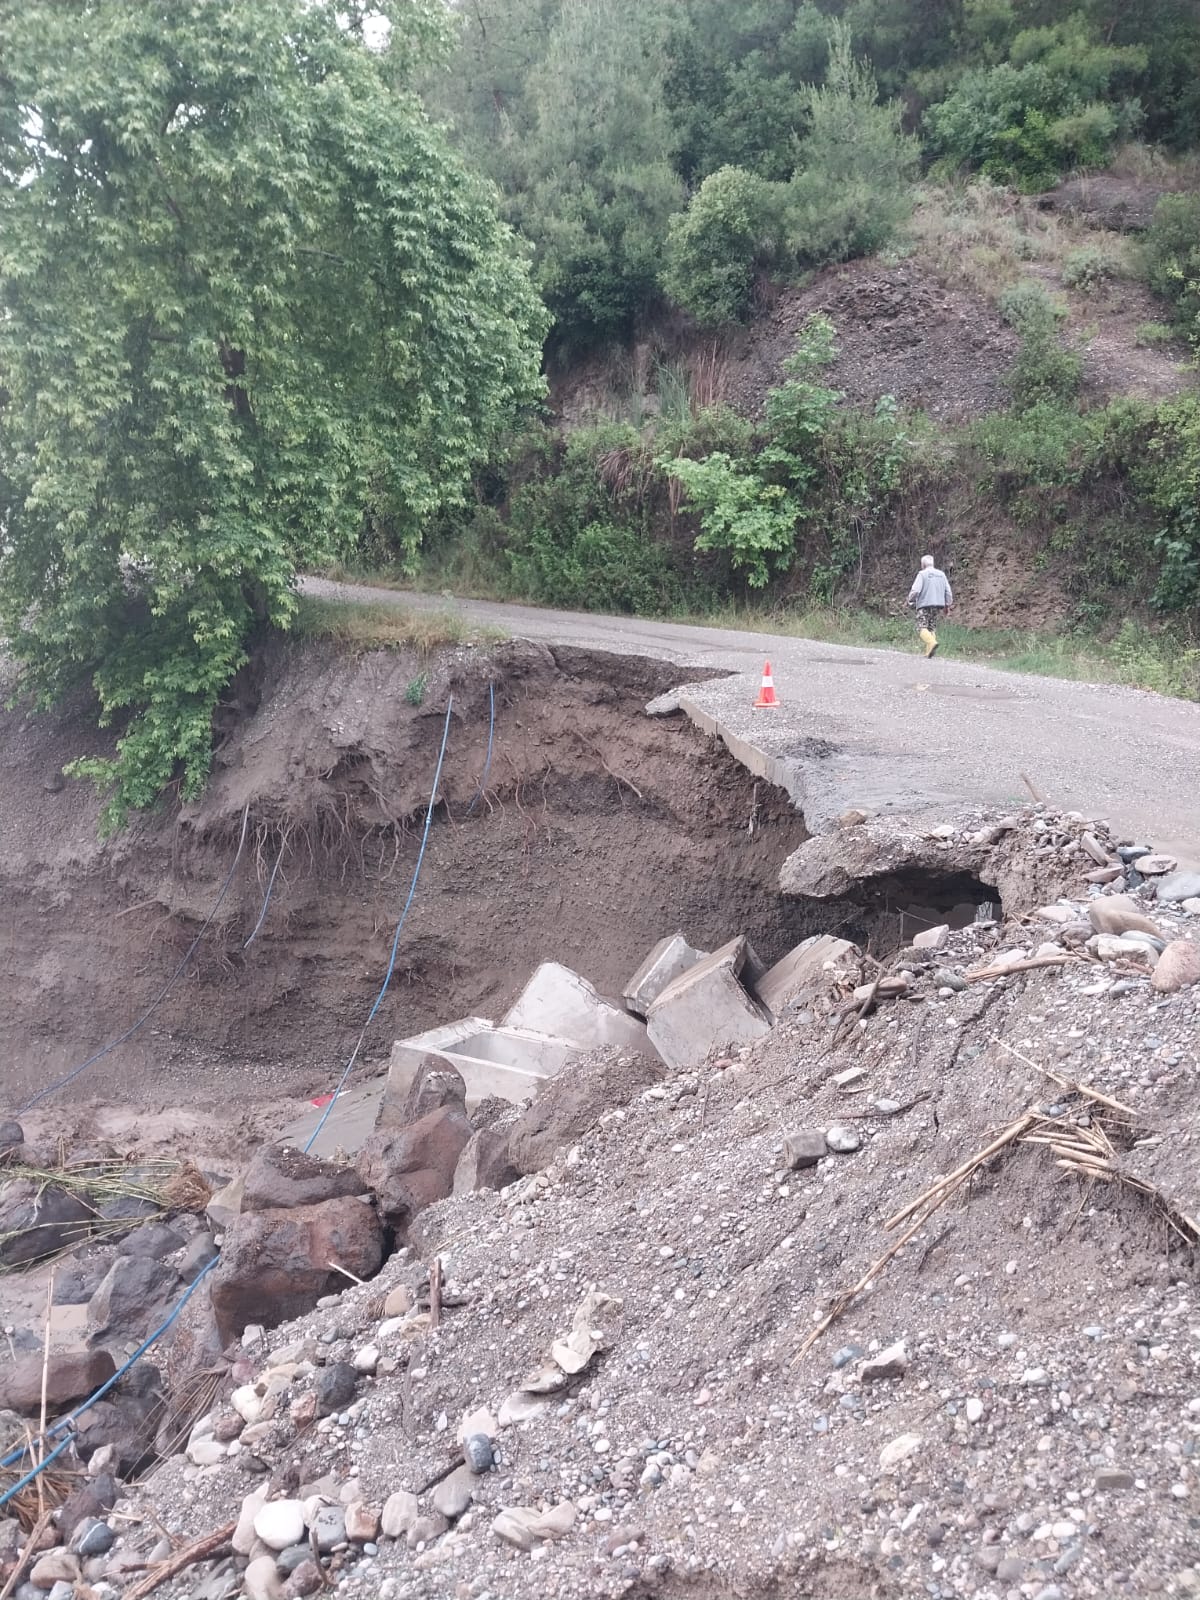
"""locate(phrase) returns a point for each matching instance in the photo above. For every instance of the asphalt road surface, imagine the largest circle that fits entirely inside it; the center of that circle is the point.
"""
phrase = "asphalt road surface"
(890, 732)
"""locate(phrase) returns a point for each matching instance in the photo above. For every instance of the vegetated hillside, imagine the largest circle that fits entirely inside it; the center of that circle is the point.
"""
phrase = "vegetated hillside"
(832, 283)
(1003, 386)
(927, 325)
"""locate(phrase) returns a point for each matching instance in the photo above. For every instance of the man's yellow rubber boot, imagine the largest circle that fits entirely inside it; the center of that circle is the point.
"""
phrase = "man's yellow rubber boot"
(930, 641)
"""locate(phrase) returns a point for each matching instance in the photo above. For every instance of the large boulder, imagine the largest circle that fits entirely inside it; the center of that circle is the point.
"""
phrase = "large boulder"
(39, 1220)
(410, 1168)
(574, 1100)
(70, 1375)
(128, 1422)
(276, 1265)
(280, 1178)
(136, 1293)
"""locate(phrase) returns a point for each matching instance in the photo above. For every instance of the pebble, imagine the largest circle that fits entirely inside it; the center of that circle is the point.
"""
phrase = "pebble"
(847, 1354)
(455, 1493)
(206, 1452)
(93, 1539)
(842, 1139)
(366, 1359)
(247, 1402)
(362, 1523)
(1178, 967)
(335, 1387)
(1114, 1478)
(400, 1512)
(947, 978)
(1117, 914)
(889, 1363)
(803, 1148)
(477, 1451)
(327, 1527)
(887, 1108)
(307, 1579)
(899, 1449)
(974, 1409)
(56, 1566)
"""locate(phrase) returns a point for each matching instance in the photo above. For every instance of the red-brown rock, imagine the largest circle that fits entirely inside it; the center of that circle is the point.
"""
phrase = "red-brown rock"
(277, 1264)
(410, 1168)
(436, 1085)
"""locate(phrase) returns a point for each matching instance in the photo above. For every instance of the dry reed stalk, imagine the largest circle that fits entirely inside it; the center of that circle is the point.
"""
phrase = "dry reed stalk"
(1085, 1152)
(198, 1550)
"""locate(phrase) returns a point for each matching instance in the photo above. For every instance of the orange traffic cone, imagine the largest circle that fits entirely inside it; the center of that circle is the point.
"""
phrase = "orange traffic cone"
(766, 695)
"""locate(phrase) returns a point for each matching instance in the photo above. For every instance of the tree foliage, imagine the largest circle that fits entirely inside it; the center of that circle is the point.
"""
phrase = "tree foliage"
(253, 303)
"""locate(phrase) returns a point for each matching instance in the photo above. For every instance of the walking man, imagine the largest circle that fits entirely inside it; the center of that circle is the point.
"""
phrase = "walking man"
(933, 597)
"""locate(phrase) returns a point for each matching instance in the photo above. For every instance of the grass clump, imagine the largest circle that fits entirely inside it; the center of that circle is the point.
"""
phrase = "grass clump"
(369, 627)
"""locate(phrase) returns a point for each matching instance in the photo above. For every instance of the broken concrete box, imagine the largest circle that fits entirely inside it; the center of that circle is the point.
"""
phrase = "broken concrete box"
(706, 1006)
(669, 958)
(801, 972)
(558, 1002)
(507, 1062)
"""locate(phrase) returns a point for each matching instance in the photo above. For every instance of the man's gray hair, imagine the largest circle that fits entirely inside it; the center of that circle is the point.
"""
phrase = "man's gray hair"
(926, 561)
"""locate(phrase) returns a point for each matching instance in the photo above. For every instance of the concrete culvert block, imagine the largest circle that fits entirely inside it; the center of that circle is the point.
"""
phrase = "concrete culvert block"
(802, 972)
(706, 1006)
(670, 957)
(558, 1002)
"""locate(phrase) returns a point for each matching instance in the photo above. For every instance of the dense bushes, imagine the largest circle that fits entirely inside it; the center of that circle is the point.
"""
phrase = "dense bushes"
(1058, 100)
(849, 192)
(1171, 251)
(733, 227)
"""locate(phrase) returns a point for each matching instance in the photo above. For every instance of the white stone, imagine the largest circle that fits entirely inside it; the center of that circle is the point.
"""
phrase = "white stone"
(366, 1359)
(400, 1513)
(974, 1409)
(261, 1580)
(247, 1402)
(280, 1523)
(243, 1535)
(206, 1452)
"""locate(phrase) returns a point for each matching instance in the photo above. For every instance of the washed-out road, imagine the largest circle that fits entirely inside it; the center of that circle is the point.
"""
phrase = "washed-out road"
(889, 732)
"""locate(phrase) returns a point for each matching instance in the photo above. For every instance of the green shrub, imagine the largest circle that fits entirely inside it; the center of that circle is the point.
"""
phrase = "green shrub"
(1059, 100)
(1044, 372)
(1149, 334)
(602, 566)
(1088, 267)
(1171, 256)
(1170, 479)
(852, 188)
(752, 522)
(731, 229)
(1040, 445)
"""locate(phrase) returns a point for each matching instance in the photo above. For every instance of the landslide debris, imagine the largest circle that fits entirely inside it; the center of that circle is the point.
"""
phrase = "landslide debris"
(602, 1379)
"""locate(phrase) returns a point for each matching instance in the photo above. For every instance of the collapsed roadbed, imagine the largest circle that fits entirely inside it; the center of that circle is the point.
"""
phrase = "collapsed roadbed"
(897, 1298)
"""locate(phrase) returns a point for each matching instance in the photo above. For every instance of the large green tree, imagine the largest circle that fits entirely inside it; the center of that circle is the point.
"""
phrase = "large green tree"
(251, 302)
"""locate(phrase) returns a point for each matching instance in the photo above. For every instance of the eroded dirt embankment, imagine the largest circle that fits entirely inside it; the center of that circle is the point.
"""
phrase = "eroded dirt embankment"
(596, 830)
